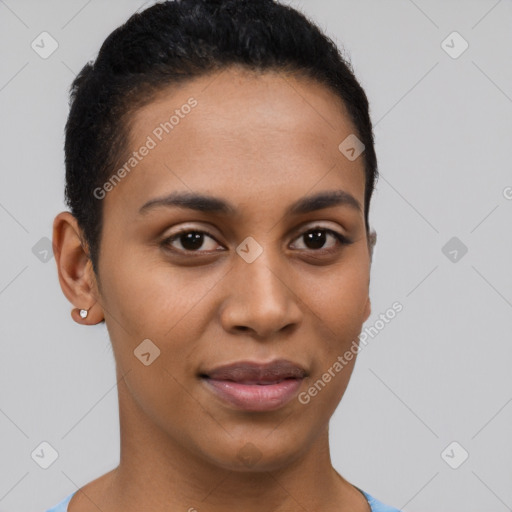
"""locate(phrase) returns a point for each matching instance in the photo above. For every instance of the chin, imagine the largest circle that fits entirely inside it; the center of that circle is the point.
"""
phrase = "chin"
(257, 453)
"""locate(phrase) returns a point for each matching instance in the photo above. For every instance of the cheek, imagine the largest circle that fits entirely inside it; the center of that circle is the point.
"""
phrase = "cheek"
(163, 396)
(339, 304)
(150, 297)
(340, 297)
(168, 306)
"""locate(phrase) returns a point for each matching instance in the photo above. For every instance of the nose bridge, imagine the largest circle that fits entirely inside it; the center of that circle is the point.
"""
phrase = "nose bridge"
(258, 270)
(260, 296)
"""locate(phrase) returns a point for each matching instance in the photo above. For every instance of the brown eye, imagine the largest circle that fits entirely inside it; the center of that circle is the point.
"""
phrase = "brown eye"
(194, 241)
(190, 241)
(316, 238)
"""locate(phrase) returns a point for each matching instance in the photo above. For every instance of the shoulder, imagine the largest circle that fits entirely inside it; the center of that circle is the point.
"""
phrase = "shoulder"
(376, 505)
(62, 506)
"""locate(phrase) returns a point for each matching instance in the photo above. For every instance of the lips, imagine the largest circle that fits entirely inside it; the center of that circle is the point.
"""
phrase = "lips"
(252, 386)
(257, 373)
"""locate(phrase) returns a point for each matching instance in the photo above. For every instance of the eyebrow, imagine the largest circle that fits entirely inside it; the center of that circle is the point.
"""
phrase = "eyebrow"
(210, 204)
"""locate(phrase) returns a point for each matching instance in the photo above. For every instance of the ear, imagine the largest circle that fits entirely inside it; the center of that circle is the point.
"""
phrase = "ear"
(76, 275)
(367, 309)
(372, 240)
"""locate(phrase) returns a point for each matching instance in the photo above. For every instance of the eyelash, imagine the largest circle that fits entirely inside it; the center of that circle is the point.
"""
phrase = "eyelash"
(342, 240)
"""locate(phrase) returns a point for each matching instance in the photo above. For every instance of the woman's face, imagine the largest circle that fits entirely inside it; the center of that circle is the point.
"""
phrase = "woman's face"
(250, 284)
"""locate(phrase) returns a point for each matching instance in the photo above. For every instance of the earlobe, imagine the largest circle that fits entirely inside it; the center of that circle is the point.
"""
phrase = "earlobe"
(368, 309)
(76, 276)
(91, 316)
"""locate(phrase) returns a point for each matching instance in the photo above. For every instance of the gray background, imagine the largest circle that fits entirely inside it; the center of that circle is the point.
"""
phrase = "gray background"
(439, 372)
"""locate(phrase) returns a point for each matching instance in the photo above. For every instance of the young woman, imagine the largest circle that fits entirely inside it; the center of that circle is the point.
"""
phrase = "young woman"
(219, 169)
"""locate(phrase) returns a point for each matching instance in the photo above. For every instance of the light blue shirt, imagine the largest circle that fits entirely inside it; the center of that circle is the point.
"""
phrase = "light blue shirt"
(375, 505)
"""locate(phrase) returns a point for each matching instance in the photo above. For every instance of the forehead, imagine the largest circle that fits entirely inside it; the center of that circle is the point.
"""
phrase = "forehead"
(239, 133)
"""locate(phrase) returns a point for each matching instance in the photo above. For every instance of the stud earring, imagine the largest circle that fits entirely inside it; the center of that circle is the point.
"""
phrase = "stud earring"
(83, 313)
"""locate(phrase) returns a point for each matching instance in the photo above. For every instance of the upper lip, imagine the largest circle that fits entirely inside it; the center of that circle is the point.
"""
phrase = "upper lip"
(251, 371)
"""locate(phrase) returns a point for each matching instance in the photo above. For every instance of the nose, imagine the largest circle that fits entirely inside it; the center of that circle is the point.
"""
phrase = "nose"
(261, 299)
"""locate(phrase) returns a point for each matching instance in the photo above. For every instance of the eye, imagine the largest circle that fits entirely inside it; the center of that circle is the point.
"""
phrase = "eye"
(315, 239)
(190, 240)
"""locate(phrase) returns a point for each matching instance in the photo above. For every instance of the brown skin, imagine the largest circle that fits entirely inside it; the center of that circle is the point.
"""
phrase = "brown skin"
(260, 142)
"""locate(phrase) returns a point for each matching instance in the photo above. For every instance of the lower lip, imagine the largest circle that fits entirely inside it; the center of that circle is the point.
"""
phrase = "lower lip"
(255, 397)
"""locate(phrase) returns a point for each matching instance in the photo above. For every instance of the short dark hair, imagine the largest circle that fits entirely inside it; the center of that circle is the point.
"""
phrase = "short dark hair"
(175, 41)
